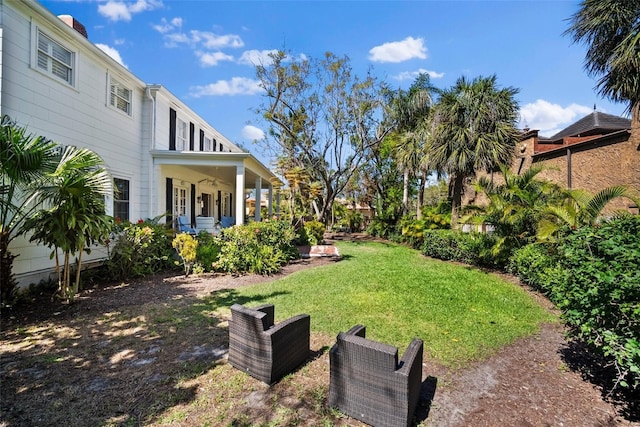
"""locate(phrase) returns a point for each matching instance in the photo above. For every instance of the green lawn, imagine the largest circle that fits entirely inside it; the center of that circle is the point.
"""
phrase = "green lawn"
(461, 313)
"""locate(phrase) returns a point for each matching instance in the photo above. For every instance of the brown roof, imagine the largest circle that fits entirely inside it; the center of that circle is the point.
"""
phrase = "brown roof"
(596, 123)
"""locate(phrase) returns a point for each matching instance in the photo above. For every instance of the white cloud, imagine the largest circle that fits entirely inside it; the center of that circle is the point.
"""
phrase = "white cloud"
(404, 50)
(165, 26)
(116, 10)
(112, 52)
(411, 75)
(253, 133)
(235, 86)
(211, 59)
(257, 57)
(550, 118)
(215, 41)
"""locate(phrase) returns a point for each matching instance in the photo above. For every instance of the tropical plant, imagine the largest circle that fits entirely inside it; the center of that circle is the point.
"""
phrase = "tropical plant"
(25, 160)
(475, 129)
(611, 31)
(140, 249)
(75, 219)
(410, 111)
(578, 208)
(515, 207)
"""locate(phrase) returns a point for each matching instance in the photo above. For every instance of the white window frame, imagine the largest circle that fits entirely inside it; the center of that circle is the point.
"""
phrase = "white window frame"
(208, 144)
(46, 58)
(117, 199)
(182, 135)
(180, 200)
(119, 100)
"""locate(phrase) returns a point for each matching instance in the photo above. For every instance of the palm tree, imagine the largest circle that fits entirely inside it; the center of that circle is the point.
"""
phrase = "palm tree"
(578, 208)
(475, 129)
(75, 219)
(410, 110)
(611, 30)
(25, 161)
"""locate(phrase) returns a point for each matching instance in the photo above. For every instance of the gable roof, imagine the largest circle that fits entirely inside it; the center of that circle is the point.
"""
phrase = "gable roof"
(596, 123)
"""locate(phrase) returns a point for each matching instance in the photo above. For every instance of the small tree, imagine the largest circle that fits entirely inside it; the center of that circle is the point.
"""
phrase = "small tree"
(76, 217)
(187, 247)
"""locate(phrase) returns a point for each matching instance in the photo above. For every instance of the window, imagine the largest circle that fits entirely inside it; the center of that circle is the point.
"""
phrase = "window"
(208, 144)
(179, 201)
(55, 59)
(121, 199)
(181, 135)
(120, 97)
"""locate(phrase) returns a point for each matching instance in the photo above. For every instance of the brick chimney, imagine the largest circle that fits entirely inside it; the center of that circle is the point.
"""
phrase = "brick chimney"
(73, 23)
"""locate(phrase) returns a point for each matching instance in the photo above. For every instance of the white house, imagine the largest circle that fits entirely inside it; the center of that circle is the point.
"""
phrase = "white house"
(163, 156)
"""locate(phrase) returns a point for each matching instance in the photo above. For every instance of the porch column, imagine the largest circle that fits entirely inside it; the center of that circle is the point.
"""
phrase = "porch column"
(240, 200)
(257, 214)
(270, 201)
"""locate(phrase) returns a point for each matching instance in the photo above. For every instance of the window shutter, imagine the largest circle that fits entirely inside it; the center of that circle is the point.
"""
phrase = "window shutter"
(219, 205)
(193, 203)
(169, 202)
(192, 136)
(230, 204)
(214, 144)
(172, 129)
(201, 140)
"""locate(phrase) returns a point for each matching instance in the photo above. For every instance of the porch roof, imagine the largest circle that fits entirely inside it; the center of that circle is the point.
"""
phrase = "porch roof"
(219, 165)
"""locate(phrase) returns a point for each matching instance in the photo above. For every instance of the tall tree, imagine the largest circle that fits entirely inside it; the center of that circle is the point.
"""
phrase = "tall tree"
(475, 129)
(25, 161)
(410, 111)
(322, 118)
(611, 31)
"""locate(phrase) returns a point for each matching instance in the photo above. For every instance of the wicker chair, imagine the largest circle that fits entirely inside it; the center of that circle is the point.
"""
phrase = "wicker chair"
(264, 350)
(367, 382)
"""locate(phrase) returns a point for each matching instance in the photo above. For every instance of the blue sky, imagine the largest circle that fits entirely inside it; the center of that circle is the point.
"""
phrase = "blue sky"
(203, 50)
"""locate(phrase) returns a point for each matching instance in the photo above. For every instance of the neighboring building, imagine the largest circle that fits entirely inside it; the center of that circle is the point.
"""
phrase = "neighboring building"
(163, 156)
(598, 151)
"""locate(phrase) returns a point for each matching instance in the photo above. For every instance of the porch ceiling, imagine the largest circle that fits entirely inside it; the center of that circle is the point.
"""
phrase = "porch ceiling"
(220, 167)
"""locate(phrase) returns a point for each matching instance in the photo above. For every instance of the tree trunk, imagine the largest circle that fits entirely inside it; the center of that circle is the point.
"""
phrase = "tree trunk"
(405, 192)
(456, 199)
(421, 187)
(76, 284)
(7, 281)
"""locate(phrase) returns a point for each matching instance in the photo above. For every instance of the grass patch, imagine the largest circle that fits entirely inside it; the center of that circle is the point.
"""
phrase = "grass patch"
(461, 313)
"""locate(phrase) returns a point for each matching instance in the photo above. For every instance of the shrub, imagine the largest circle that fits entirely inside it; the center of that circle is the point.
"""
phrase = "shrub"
(258, 247)
(186, 246)
(601, 292)
(313, 232)
(140, 249)
(208, 251)
(453, 245)
(537, 265)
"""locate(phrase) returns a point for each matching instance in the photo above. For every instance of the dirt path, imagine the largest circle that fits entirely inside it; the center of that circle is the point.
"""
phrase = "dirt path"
(528, 383)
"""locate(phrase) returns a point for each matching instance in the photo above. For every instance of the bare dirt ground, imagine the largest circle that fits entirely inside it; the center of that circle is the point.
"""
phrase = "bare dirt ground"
(119, 356)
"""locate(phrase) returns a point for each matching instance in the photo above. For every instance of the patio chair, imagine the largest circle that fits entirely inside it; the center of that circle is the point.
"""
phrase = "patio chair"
(264, 350)
(206, 223)
(366, 381)
(227, 221)
(184, 226)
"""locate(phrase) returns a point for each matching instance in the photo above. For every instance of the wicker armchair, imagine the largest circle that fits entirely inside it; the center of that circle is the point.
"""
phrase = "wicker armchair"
(367, 382)
(264, 350)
